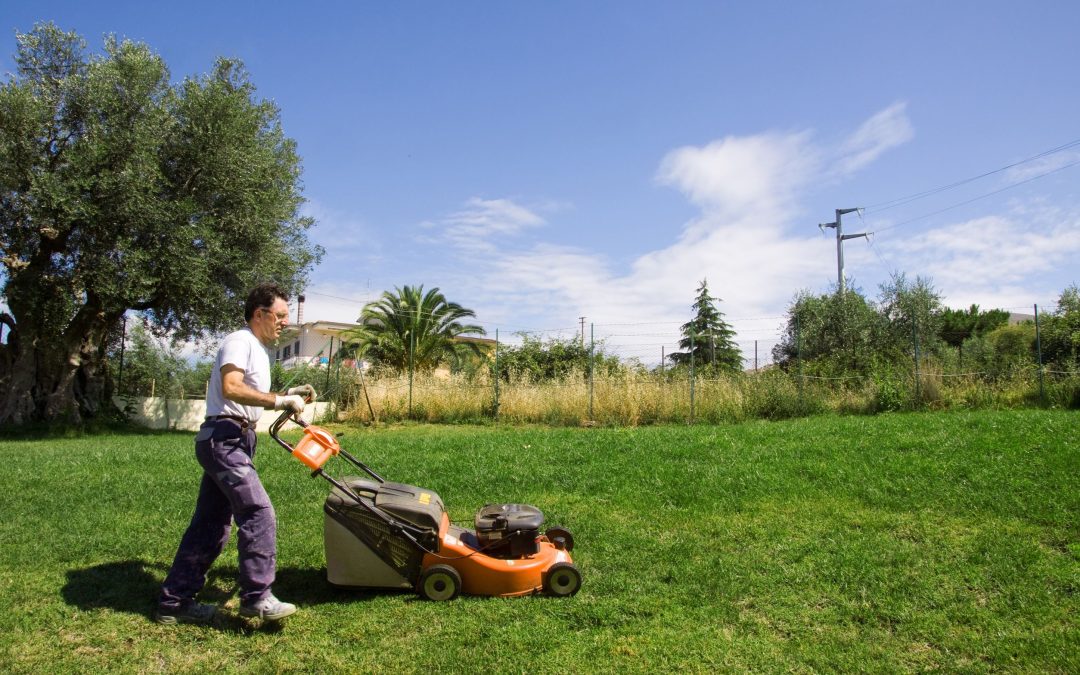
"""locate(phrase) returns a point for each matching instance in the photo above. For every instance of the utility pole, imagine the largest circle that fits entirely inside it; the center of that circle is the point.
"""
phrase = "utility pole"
(582, 320)
(840, 237)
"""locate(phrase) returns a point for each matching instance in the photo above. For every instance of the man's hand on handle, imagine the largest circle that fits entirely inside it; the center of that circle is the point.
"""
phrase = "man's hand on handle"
(291, 402)
(305, 390)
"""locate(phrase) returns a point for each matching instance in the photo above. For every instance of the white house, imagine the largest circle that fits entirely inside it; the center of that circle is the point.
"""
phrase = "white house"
(311, 343)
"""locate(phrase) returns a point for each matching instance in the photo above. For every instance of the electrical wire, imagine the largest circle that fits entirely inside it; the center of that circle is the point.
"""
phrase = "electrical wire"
(892, 203)
(975, 199)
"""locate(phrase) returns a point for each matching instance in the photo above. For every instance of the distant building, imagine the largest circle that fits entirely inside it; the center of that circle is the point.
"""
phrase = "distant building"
(311, 343)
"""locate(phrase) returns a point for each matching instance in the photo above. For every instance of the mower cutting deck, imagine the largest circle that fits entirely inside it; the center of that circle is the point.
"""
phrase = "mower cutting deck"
(380, 534)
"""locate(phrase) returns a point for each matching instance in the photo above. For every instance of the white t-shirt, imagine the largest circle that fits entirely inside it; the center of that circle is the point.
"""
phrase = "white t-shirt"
(243, 350)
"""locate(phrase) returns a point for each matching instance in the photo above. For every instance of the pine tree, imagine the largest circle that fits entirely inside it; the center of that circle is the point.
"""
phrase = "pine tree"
(712, 338)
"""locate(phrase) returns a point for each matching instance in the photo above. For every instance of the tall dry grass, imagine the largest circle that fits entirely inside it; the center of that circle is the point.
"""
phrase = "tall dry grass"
(634, 399)
(637, 398)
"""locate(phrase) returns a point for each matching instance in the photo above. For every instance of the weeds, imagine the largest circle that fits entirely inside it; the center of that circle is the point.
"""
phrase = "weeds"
(635, 398)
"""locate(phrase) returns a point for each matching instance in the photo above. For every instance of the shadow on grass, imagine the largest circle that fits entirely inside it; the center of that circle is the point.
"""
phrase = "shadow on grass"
(132, 586)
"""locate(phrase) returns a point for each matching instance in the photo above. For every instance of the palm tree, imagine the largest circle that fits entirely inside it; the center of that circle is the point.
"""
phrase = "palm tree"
(411, 328)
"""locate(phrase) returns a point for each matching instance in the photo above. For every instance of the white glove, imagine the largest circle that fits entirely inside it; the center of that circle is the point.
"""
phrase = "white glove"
(305, 390)
(293, 403)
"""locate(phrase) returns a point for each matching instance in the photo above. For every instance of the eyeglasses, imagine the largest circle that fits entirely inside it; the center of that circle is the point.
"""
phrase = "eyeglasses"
(280, 316)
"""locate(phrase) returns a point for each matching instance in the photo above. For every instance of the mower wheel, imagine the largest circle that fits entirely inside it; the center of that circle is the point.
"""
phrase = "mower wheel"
(555, 533)
(439, 582)
(562, 579)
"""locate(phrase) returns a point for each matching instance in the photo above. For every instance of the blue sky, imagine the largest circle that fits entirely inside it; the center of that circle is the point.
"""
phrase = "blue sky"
(545, 161)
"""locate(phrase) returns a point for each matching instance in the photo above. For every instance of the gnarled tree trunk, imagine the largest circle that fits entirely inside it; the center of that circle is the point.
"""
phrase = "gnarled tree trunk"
(55, 378)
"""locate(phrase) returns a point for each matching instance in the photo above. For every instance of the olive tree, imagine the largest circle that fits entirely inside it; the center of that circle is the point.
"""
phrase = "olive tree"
(839, 333)
(121, 190)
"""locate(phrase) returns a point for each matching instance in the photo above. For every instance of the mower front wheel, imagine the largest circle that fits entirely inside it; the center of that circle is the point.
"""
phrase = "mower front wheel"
(562, 580)
(439, 583)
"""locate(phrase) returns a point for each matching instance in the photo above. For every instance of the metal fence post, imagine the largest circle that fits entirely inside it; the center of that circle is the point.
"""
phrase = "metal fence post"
(1038, 352)
(915, 341)
(329, 365)
(337, 391)
(798, 357)
(123, 339)
(691, 376)
(412, 348)
(592, 365)
(496, 375)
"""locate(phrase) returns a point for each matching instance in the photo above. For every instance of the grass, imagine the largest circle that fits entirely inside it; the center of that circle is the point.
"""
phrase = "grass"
(892, 543)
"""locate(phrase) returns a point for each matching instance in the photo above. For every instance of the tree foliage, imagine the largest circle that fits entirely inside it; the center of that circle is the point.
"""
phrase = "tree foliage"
(840, 333)
(411, 328)
(913, 310)
(1060, 332)
(958, 325)
(152, 365)
(708, 337)
(119, 191)
(553, 360)
(843, 334)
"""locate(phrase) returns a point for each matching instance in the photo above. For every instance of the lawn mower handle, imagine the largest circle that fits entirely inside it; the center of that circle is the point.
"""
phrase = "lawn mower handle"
(276, 425)
(285, 416)
(398, 528)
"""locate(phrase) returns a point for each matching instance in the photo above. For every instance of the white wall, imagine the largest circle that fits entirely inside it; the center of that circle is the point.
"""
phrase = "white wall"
(188, 414)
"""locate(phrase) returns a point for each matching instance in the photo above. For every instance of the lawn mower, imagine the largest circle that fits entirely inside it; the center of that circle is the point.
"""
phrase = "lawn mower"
(380, 534)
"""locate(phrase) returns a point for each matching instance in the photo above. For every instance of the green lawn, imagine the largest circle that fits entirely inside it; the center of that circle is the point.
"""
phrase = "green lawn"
(891, 543)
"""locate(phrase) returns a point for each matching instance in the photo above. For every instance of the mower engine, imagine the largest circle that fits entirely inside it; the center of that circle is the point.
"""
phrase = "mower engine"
(509, 531)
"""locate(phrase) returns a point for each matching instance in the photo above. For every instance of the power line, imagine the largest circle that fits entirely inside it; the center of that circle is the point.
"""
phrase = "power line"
(882, 206)
(337, 297)
(975, 199)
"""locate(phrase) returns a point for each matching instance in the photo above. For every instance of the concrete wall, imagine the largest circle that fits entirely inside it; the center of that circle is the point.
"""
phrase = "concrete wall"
(188, 414)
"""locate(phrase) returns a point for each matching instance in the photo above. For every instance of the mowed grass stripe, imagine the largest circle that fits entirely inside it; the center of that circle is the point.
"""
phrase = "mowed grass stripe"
(898, 542)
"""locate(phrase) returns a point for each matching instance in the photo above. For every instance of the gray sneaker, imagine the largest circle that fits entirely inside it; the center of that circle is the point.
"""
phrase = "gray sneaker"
(193, 612)
(268, 609)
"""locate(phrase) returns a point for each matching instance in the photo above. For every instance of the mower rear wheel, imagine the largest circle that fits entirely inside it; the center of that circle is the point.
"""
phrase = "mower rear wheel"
(439, 583)
(554, 533)
(562, 579)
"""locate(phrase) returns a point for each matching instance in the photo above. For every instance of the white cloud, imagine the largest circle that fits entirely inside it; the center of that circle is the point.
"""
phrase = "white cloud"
(996, 259)
(884, 131)
(735, 174)
(483, 220)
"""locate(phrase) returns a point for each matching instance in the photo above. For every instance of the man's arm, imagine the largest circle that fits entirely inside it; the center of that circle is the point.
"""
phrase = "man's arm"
(234, 389)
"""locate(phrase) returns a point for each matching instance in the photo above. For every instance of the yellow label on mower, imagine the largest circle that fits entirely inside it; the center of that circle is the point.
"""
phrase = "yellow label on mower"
(425, 498)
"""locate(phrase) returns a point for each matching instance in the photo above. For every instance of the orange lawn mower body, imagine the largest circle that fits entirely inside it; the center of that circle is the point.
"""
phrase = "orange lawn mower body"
(380, 534)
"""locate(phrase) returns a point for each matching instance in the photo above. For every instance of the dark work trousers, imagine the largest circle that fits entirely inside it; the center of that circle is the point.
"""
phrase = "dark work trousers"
(230, 490)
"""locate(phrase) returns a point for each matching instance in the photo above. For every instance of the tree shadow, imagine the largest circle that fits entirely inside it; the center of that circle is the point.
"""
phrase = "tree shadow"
(132, 586)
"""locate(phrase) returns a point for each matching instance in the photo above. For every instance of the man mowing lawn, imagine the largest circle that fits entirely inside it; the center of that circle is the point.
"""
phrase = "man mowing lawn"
(231, 489)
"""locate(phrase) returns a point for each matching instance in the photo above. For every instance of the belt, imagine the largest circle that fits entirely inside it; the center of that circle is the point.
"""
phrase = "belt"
(242, 421)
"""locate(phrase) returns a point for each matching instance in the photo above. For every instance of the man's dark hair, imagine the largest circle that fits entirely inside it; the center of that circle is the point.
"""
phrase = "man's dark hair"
(263, 295)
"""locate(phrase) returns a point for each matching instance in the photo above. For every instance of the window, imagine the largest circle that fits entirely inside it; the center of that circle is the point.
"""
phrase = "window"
(288, 351)
(296, 348)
